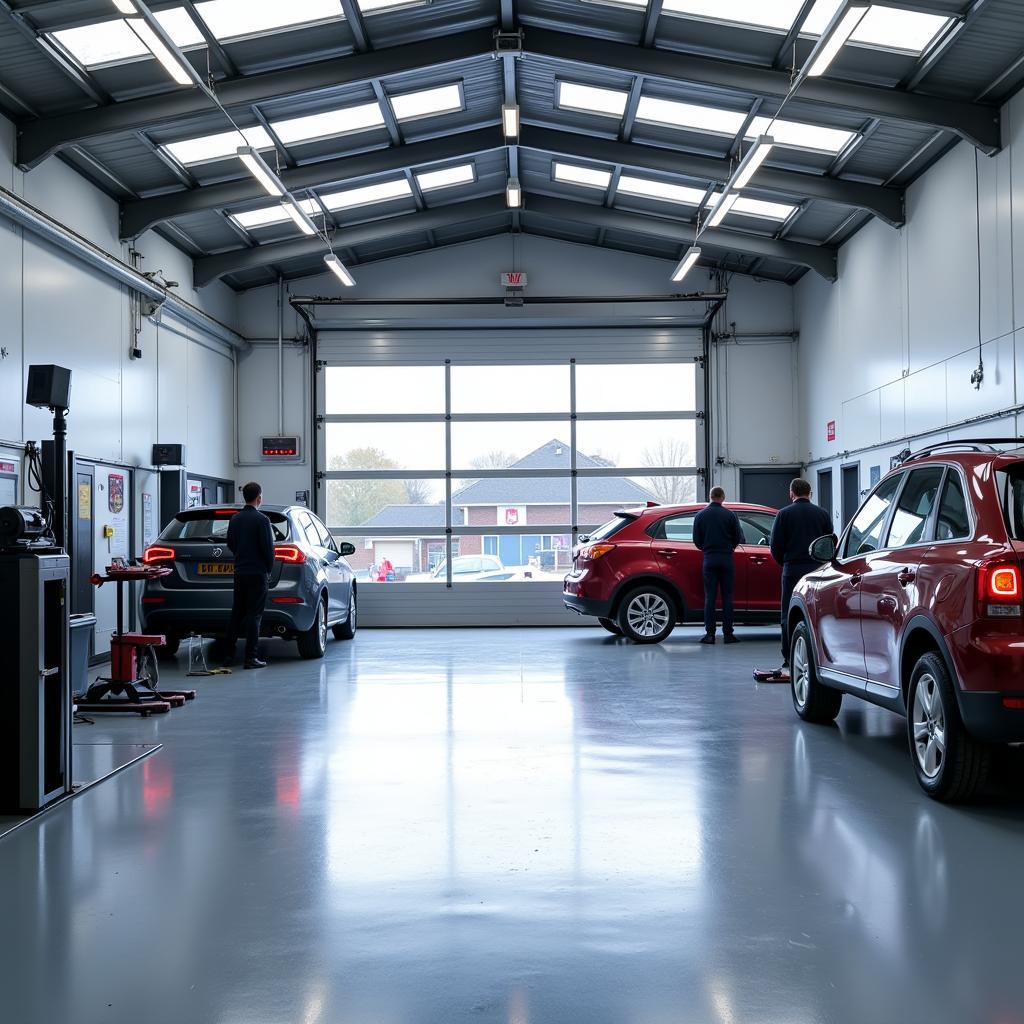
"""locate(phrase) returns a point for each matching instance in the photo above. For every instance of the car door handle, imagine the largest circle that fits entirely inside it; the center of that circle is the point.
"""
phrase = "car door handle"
(667, 552)
(758, 561)
(906, 577)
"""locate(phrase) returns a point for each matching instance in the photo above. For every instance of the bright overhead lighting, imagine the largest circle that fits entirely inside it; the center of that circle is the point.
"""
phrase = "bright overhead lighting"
(126, 6)
(590, 177)
(839, 30)
(757, 208)
(647, 188)
(173, 63)
(775, 14)
(445, 99)
(311, 127)
(722, 207)
(377, 6)
(217, 147)
(589, 99)
(265, 216)
(685, 265)
(463, 174)
(259, 169)
(113, 42)
(233, 19)
(303, 221)
(366, 195)
(510, 120)
(801, 136)
(756, 155)
(674, 114)
(514, 193)
(339, 270)
(886, 27)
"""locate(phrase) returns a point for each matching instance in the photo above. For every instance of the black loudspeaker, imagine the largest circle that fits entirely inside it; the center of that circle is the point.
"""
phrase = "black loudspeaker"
(168, 455)
(49, 387)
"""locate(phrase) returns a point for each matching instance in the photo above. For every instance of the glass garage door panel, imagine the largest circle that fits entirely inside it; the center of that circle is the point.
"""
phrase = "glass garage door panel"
(353, 446)
(372, 390)
(382, 502)
(665, 444)
(636, 387)
(511, 445)
(510, 389)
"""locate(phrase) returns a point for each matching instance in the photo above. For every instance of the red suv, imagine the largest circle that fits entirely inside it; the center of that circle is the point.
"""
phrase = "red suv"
(920, 611)
(640, 574)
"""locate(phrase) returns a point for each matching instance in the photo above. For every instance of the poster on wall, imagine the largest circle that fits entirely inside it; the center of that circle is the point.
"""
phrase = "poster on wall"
(118, 509)
(148, 524)
(830, 430)
(512, 515)
(193, 494)
(84, 500)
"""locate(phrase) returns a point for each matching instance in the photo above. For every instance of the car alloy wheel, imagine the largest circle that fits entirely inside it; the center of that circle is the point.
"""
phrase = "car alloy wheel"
(801, 672)
(929, 726)
(648, 614)
(321, 626)
(352, 611)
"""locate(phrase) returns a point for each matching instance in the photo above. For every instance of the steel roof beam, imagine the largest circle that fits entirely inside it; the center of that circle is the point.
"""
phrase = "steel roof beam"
(976, 122)
(38, 139)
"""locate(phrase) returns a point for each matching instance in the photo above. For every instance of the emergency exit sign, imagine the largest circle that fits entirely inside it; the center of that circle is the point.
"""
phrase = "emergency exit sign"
(514, 279)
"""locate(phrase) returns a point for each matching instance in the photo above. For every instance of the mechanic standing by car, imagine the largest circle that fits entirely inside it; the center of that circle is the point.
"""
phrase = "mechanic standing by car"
(796, 528)
(251, 540)
(716, 532)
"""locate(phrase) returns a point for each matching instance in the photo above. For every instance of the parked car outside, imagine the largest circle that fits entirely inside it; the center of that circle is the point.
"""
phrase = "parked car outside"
(640, 574)
(464, 567)
(919, 609)
(312, 586)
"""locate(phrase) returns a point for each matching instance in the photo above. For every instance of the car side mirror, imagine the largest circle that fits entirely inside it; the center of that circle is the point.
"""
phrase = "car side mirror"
(824, 549)
(346, 549)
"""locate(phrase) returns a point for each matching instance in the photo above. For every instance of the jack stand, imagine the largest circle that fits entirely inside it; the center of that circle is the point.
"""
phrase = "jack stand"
(197, 664)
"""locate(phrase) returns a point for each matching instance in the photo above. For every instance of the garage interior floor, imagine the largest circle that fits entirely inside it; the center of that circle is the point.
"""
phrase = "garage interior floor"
(517, 826)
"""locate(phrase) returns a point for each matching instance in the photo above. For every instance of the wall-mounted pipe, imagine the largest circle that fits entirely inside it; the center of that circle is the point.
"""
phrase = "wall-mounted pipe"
(45, 227)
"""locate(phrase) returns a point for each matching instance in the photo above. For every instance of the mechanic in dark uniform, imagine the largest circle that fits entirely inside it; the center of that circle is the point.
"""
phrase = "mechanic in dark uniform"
(796, 528)
(716, 532)
(251, 539)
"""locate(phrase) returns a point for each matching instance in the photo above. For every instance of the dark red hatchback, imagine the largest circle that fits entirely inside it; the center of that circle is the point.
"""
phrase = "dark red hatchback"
(919, 609)
(640, 574)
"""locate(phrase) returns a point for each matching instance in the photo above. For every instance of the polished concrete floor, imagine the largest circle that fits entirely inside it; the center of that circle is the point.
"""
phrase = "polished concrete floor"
(515, 826)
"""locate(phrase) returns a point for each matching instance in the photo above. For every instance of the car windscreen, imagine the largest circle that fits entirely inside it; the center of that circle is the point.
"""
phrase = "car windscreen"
(610, 528)
(212, 525)
(1011, 494)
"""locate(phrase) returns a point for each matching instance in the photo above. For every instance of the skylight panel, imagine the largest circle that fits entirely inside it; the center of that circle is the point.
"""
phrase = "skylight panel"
(330, 122)
(463, 174)
(377, 6)
(773, 14)
(648, 188)
(757, 208)
(800, 135)
(886, 27)
(232, 19)
(675, 114)
(110, 42)
(590, 99)
(267, 215)
(217, 147)
(445, 99)
(366, 194)
(590, 177)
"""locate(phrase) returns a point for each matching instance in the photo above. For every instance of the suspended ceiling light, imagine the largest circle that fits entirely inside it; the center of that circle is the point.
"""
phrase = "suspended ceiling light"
(259, 169)
(514, 193)
(685, 265)
(722, 207)
(756, 155)
(169, 56)
(339, 270)
(835, 37)
(510, 120)
(302, 219)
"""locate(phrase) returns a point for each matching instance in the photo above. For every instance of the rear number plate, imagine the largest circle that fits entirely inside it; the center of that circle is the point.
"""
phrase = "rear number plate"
(216, 569)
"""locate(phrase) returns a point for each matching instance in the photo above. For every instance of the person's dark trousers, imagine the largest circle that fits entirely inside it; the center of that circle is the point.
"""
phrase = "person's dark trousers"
(792, 574)
(719, 574)
(250, 598)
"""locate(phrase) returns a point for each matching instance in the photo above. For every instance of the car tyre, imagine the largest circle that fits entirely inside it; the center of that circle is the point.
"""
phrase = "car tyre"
(313, 643)
(170, 650)
(647, 615)
(813, 701)
(611, 625)
(347, 630)
(950, 764)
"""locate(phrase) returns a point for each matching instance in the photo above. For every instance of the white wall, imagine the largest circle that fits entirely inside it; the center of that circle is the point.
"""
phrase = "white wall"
(887, 351)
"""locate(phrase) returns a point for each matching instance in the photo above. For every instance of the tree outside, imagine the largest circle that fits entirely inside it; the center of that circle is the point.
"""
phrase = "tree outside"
(351, 502)
(670, 490)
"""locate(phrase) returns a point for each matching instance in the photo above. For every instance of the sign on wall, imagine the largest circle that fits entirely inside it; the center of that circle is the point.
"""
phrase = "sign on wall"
(514, 279)
(193, 494)
(512, 515)
(830, 430)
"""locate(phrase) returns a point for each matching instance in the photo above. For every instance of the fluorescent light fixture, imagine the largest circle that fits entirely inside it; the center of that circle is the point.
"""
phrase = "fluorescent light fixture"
(217, 147)
(126, 6)
(800, 135)
(445, 99)
(329, 123)
(174, 63)
(265, 216)
(839, 30)
(673, 114)
(590, 99)
(303, 221)
(339, 270)
(773, 14)
(260, 170)
(725, 203)
(756, 155)
(647, 188)
(514, 193)
(589, 177)
(366, 195)
(685, 265)
(113, 42)
(233, 19)
(510, 120)
(885, 27)
(463, 174)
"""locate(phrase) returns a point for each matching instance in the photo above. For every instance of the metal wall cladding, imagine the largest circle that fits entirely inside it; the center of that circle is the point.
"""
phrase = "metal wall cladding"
(882, 154)
(818, 221)
(134, 163)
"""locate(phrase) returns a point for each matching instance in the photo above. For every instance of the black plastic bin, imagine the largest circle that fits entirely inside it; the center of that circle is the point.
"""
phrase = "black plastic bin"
(81, 634)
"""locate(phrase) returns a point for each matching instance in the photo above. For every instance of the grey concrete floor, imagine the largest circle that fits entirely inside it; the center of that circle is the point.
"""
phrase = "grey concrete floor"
(513, 826)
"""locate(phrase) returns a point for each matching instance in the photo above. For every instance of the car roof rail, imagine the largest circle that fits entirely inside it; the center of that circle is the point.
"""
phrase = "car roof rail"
(970, 444)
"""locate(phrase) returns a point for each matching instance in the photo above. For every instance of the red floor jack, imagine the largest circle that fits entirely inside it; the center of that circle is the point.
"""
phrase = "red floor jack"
(131, 686)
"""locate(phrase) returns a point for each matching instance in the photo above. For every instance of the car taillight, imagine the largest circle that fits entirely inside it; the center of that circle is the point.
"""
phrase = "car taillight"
(999, 589)
(595, 551)
(155, 554)
(289, 553)
(287, 600)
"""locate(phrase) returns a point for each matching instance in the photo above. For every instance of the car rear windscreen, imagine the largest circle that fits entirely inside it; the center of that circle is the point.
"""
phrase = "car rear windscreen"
(612, 527)
(204, 524)
(1011, 493)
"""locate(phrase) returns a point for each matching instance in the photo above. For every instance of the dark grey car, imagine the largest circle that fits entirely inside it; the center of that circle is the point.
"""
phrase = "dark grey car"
(312, 586)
